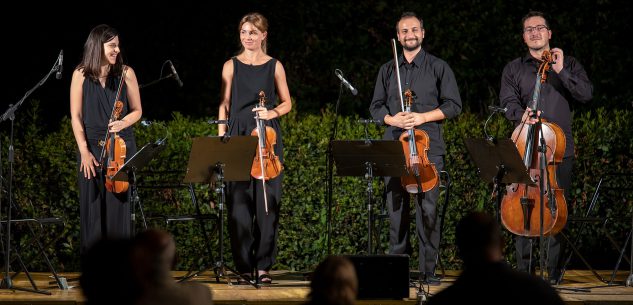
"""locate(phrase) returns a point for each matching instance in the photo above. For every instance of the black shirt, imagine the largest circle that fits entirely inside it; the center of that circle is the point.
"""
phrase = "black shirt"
(434, 85)
(510, 287)
(571, 84)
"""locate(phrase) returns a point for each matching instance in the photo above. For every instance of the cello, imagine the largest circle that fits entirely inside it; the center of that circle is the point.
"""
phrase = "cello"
(421, 173)
(523, 204)
(266, 164)
(115, 149)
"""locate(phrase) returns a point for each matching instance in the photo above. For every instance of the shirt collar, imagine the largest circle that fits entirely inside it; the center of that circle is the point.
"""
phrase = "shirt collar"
(417, 60)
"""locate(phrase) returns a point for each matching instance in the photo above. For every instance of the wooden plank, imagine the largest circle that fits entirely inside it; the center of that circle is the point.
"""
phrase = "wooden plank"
(293, 287)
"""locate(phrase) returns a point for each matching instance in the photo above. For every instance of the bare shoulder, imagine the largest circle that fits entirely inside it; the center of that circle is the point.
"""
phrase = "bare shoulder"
(279, 67)
(227, 68)
(201, 294)
(78, 75)
(129, 70)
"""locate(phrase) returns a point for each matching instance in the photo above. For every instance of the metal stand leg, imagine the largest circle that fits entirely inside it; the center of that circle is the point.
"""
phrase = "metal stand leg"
(369, 177)
(629, 280)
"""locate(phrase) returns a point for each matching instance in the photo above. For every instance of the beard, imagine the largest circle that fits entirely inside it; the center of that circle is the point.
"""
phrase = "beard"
(411, 48)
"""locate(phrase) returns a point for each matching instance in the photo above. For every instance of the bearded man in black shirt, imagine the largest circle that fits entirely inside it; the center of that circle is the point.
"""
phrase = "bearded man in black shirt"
(437, 98)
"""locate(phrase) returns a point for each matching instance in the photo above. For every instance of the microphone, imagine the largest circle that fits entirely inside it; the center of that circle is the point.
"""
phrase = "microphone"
(369, 121)
(498, 109)
(60, 65)
(175, 74)
(339, 74)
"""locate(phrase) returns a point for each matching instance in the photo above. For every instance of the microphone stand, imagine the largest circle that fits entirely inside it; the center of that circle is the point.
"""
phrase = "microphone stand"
(9, 114)
(328, 171)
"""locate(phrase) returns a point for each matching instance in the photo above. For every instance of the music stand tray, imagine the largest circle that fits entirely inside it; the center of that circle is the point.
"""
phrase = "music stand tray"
(142, 157)
(385, 156)
(492, 156)
(235, 153)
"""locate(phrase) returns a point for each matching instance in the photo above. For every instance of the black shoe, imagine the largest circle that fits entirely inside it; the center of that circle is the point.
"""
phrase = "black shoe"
(265, 279)
(554, 277)
(431, 279)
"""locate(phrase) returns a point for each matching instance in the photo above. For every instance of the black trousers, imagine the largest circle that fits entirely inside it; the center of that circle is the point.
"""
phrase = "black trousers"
(253, 233)
(102, 214)
(556, 242)
(427, 223)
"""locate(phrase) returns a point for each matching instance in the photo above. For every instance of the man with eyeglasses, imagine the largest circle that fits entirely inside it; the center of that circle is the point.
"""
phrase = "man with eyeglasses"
(567, 83)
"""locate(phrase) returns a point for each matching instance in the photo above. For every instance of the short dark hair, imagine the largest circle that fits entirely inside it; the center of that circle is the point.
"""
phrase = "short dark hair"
(334, 281)
(409, 15)
(531, 14)
(475, 234)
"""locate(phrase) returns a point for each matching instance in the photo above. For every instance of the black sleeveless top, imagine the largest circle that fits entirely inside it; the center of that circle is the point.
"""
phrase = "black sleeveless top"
(97, 103)
(248, 81)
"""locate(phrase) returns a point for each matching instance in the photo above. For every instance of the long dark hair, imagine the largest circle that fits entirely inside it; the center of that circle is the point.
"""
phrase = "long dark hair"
(94, 53)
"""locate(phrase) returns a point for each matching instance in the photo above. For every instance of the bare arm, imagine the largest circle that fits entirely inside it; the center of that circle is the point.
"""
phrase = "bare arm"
(225, 96)
(88, 161)
(285, 104)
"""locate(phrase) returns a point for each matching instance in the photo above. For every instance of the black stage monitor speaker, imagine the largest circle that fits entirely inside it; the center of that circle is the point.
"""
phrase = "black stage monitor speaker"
(382, 276)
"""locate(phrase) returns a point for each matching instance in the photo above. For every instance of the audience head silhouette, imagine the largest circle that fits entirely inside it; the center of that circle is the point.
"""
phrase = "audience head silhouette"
(479, 239)
(153, 256)
(334, 282)
(106, 273)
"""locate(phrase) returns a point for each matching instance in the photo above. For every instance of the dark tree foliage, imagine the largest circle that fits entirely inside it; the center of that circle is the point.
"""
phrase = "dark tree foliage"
(312, 38)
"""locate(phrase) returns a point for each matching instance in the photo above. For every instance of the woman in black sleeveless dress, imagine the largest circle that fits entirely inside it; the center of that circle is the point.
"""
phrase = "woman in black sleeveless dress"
(92, 93)
(253, 233)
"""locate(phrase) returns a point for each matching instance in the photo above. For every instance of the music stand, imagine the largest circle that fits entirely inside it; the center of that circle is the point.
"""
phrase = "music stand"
(368, 158)
(215, 160)
(127, 172)
(499, 162)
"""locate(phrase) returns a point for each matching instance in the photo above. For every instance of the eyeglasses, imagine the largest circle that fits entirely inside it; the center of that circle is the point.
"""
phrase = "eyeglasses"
(538, 28)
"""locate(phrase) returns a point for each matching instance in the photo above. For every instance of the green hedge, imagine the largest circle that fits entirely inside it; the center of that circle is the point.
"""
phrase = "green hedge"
(45, 185)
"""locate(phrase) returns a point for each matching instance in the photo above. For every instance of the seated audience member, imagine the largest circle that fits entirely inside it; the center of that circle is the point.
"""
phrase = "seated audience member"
(334, 282)
(486, 277)
(106, 273)
(153, 257)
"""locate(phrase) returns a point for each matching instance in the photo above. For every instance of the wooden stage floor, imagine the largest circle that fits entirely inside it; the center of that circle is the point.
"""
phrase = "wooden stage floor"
(292, 288)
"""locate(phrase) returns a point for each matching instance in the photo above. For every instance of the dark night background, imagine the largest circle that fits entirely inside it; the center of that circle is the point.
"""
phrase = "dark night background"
(477, 38)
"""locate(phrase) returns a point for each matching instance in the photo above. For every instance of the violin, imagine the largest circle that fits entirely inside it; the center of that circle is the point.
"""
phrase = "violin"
(521, 207)
(266, 164)
(115, 148)
(421, 173)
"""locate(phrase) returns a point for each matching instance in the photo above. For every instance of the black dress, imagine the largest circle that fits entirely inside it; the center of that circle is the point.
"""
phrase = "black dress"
(253, 233)
(107, 215)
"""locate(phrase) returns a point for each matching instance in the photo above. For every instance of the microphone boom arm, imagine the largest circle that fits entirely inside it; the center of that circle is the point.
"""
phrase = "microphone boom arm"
(9, 113)
(161, 78)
